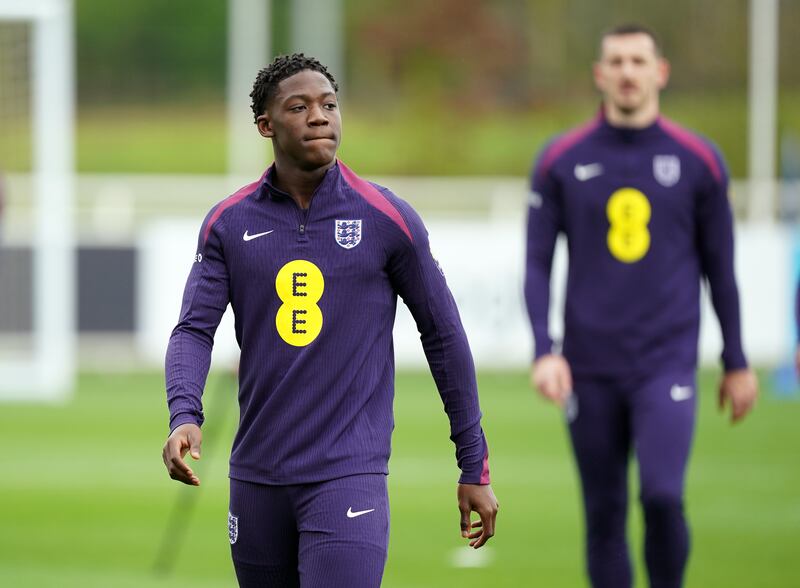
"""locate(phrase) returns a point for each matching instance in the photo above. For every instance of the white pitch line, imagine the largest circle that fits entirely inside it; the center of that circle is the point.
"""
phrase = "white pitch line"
(467, 557)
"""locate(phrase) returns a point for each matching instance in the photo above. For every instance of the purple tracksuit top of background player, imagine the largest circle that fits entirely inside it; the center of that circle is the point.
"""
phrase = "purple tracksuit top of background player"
(646, 216)
(314, 295)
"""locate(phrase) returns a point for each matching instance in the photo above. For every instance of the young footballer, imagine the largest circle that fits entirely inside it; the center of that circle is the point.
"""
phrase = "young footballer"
(311, 259)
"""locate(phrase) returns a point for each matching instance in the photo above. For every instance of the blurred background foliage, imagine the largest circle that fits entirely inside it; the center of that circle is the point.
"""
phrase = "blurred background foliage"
(456, 87)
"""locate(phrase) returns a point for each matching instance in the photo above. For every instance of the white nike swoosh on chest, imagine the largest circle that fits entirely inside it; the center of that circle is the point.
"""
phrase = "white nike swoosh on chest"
(588, 171)
(248, 237)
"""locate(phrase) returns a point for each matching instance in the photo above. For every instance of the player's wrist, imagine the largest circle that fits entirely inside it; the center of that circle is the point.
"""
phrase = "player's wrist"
(479, 478)
(181, 419)
(462, 482)
(733, 358)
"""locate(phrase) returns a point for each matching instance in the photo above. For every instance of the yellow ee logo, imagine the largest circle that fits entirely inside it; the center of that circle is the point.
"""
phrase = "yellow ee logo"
(299, 285)
(628, 211)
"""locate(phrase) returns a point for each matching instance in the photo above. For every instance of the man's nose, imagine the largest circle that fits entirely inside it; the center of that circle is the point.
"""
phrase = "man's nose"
(627, 68)
(316, 116)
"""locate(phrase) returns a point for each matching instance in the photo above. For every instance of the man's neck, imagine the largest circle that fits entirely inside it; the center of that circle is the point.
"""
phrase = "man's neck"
(637, 119)
(299, 184)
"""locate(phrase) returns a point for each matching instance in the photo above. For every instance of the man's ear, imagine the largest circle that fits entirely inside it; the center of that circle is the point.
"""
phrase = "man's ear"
(597, 75)
(663, 73)
(265, 126)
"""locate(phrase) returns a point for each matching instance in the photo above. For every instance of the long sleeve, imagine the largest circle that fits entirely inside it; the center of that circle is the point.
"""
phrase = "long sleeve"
(544, 224)
(205, 299)
(715, 242)
(418, 279)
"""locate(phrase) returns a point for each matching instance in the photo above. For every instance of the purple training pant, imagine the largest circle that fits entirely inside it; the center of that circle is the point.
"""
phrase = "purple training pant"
(653, 416)
(333, 534)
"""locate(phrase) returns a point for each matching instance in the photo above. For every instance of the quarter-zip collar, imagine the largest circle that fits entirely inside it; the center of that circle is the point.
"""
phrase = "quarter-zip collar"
(269, 190)
(628, 134)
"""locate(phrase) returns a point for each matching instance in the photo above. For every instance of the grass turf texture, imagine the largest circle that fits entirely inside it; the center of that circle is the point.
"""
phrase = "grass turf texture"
(415, 140)
(84, 497)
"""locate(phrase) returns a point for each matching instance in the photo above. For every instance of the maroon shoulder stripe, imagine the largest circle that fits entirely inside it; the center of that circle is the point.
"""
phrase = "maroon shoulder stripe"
(235, 198)
(694, 144)
(373, 196)
(563, 143)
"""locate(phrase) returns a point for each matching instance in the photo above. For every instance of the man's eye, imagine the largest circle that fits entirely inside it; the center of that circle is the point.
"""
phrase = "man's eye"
(330, 106)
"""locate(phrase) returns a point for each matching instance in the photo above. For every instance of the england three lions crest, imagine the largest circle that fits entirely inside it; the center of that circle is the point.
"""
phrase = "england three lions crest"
(348, 233)
(667, 169)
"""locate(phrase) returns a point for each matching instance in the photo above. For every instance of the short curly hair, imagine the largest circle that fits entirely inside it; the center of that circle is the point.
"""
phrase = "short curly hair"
(284, 66)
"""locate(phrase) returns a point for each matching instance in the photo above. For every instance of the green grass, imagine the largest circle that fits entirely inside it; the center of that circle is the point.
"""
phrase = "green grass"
(84, 498)
(413, 139)
(166, 139)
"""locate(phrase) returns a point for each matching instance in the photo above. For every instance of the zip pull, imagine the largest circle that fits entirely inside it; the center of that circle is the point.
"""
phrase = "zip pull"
(302, 229)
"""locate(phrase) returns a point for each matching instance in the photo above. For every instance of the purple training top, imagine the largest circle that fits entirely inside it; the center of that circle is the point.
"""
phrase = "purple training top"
(646, 216)
(314, 294)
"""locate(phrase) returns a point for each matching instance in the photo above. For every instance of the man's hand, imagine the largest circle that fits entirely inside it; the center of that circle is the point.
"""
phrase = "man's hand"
(739, 388)
(474, 497)
(552, 378)
(186, 437)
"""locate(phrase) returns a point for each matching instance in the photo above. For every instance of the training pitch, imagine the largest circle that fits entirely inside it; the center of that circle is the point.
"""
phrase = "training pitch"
(85, 499)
